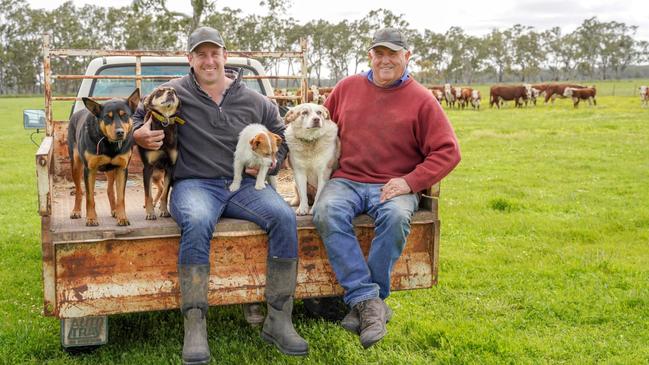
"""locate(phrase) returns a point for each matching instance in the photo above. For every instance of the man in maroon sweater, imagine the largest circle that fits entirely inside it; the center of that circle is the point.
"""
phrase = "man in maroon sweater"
(395, 142)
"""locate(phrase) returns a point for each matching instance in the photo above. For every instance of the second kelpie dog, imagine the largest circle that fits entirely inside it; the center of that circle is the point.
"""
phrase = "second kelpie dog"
(100, 138)
(162, 107)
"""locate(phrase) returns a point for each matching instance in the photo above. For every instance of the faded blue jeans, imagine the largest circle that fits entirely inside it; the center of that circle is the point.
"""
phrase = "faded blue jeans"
(197, 204)
(340, 201)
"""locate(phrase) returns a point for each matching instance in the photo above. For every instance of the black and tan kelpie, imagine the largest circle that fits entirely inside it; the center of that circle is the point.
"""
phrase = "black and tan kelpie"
(100, 138)
(162, 107)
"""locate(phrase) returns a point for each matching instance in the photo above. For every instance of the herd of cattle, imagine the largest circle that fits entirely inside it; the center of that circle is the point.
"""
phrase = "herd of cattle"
(463, 97)
(521, 94)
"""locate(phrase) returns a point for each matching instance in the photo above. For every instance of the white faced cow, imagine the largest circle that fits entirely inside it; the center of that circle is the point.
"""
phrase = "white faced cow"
(644, 95)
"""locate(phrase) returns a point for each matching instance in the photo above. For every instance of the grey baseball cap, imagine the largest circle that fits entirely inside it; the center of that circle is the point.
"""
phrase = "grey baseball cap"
(202, 35)
(391, 38)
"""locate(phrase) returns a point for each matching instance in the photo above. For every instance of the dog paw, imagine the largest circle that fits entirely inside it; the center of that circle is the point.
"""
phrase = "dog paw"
(123, 222)
(260, 187)
(151, 216)
(234, 187)
(75, 215)
(301, 210)
(90, 222)
(165, 214)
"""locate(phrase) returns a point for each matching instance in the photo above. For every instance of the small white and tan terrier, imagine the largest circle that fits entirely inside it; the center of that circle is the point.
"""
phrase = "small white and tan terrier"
(257, 148)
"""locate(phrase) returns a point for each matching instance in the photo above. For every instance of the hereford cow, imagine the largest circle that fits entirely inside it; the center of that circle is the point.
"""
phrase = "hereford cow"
(587, 93)
(463, 96)
(505, 93)
(312, 95)
(281, 94)
(552, 91)
(475, 99)
(438, 92)
(324, 93)
(644, 95)
(449, 95)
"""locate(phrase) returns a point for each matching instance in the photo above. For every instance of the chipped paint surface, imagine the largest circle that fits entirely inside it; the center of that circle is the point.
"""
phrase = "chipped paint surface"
(120, 276)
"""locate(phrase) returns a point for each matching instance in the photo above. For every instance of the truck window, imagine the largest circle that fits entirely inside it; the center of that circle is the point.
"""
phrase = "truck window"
(113, 87)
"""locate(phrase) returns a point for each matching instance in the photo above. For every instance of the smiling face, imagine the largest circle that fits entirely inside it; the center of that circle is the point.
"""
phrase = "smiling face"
(208, 61)
(387, 65)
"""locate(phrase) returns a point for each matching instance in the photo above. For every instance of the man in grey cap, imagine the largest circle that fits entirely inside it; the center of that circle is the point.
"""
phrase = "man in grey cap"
(216, 106)
(395, 142)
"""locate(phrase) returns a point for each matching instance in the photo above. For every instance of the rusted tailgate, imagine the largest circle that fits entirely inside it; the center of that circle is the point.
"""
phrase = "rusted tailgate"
(129, 275)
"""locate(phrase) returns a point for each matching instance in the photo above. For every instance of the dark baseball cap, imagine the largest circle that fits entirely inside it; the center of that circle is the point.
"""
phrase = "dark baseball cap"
(391, 38)
(202, 35)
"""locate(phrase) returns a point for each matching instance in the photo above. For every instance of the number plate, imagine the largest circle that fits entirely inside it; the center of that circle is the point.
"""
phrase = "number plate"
(85, 331)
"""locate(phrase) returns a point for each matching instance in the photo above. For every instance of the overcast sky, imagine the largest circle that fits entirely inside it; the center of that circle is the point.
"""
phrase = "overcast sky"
(476, 17)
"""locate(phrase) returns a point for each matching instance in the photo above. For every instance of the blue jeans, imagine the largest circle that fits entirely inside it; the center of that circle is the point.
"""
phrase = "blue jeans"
(197, 204)
(340, 201)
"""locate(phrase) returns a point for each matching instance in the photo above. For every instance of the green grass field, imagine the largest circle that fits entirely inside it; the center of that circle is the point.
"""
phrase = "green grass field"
(544, 255)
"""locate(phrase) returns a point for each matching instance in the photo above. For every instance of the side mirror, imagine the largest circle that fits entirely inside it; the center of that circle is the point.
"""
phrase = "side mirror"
(34, 119)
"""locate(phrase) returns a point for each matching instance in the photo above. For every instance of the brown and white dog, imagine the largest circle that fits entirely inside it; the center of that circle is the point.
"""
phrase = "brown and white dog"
(257, 148)
(162, 107)
(314, 149)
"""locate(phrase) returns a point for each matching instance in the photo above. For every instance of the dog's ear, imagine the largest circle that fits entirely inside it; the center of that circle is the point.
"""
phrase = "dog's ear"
(93, 106)
(291, 115)
(134, 100)
(255, 142)
(147, 100)
(325, 111)
(277, 138)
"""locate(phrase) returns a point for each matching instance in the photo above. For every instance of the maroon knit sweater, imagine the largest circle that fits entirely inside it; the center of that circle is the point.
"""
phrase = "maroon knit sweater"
(393, 132)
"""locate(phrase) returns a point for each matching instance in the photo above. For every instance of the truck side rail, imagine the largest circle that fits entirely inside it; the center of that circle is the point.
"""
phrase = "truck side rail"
(43, 180)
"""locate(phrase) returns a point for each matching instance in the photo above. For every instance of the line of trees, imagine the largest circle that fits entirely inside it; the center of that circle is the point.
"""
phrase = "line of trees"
(595, 50)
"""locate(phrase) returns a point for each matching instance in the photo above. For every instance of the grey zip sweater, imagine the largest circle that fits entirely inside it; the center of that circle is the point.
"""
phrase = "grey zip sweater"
(208, 139)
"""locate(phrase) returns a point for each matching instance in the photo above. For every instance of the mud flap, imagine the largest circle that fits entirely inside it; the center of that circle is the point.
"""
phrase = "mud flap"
(84, 331)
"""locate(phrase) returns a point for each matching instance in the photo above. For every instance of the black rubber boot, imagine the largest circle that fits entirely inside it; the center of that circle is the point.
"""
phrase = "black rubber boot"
(278, 327)
(193, 289)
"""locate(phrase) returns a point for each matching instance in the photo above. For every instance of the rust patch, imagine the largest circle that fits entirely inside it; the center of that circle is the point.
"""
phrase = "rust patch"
(78, 291)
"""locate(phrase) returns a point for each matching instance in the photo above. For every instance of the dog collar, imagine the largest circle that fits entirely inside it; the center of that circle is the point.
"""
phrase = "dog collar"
(165, 120)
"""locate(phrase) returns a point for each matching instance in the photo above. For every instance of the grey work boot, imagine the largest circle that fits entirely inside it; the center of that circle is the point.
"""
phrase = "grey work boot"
(372, 314)
(253, 313)
(352, 322)
(193, 289)
(278, 327)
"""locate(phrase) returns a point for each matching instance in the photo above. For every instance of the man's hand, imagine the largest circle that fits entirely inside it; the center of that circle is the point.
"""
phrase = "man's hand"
(145, 137)
(394, 187)
(252, 171)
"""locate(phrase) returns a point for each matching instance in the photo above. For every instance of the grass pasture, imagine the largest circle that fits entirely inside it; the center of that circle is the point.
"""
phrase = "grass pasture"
(544, 255)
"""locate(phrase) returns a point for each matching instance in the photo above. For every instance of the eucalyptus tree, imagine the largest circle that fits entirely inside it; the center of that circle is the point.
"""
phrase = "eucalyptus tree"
(454, 57)
(473, 57)
(527, 52)
(589, 38)
(499, 58)
(339, 50)
(20, 44)
(361, 38)
(619, 49)
(316, 32)
(428, 55)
